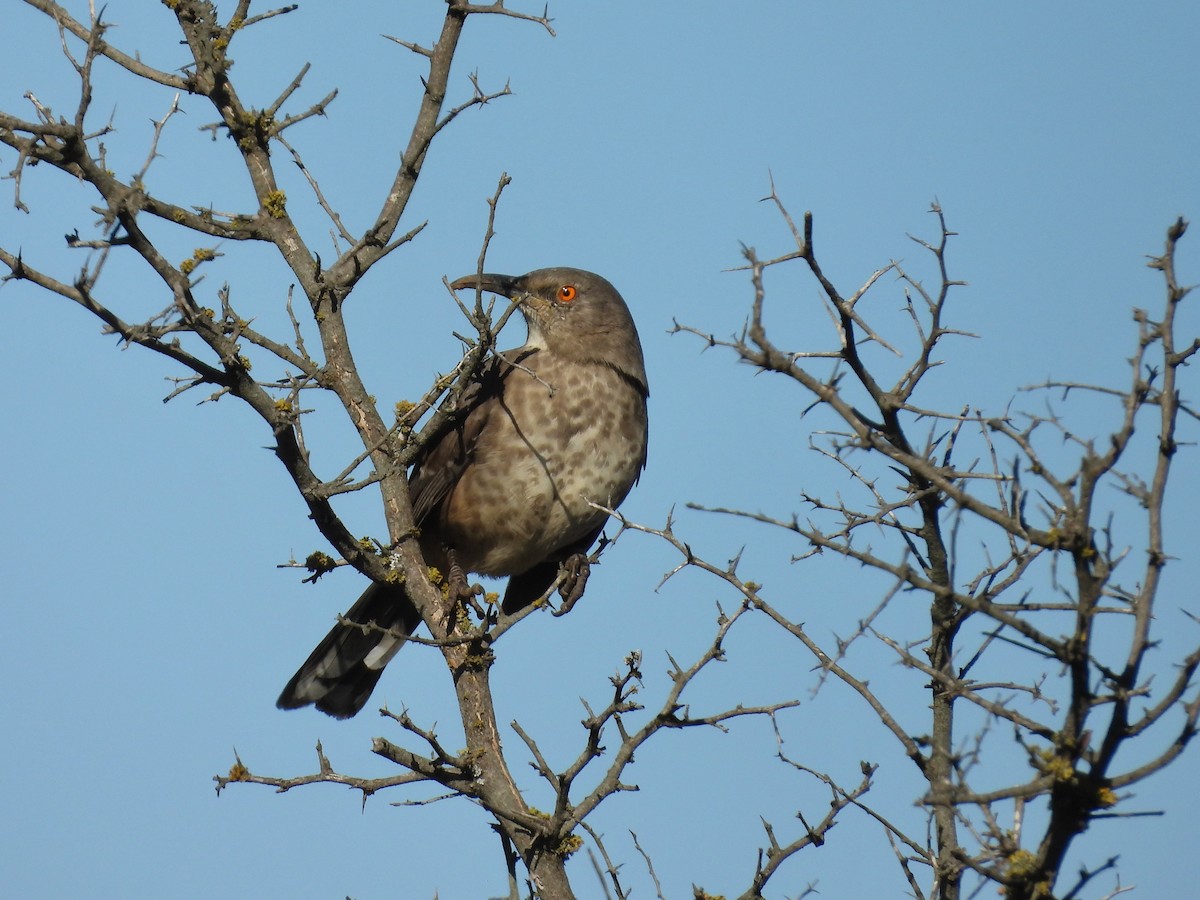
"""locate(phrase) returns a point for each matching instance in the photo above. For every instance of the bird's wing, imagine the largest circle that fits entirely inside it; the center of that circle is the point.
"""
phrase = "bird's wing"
(439, 468)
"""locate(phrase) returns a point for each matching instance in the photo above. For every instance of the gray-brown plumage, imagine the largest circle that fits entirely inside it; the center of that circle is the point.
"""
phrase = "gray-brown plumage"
(547, 427)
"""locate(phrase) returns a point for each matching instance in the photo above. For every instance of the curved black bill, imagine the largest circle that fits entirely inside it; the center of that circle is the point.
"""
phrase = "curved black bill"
(504, 285)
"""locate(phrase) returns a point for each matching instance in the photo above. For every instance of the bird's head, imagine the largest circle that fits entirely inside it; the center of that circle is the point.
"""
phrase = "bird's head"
(572, 313)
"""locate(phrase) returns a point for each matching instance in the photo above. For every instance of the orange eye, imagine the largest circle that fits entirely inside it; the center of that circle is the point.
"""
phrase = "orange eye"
(567, 293)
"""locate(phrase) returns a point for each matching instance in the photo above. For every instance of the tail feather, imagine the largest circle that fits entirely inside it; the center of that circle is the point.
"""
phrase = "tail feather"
(340, 674)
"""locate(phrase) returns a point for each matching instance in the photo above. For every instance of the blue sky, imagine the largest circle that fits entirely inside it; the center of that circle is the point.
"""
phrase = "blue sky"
(149, 627)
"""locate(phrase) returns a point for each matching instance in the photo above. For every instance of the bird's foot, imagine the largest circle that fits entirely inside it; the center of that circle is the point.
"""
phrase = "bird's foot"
(572, 579)
(459, 592)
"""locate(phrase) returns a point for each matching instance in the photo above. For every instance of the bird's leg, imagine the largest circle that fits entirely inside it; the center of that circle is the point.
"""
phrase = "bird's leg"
(572, 579)
(458, 591)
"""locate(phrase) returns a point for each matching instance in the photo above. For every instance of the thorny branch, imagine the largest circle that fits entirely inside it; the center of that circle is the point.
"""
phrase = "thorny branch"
(218, 345)
(1047, 512)
(221, 346)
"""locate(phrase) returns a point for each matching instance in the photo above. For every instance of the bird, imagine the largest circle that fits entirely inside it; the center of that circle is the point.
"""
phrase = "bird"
(545, 431)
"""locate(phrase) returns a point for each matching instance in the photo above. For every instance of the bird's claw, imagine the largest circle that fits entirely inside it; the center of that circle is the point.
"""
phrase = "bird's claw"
(459, 592)
(572, 579)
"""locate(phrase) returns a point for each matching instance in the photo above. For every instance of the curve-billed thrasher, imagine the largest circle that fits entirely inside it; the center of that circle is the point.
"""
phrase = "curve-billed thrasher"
(545, 428)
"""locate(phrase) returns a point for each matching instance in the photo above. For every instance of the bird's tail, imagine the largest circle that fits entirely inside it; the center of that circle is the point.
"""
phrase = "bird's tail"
(341, 672)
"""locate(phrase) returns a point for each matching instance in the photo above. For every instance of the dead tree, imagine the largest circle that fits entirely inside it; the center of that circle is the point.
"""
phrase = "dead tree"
(1041, 621)
(212, 336)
